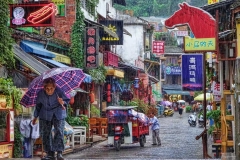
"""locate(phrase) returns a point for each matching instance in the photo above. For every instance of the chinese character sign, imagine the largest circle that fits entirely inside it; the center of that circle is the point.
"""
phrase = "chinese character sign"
(216, 88)
(199, 44)
(173, 70)
(192, 72)
(158, 48)
(91, 45)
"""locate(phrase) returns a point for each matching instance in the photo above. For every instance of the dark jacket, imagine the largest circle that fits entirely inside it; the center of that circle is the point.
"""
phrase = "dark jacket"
(47, 106)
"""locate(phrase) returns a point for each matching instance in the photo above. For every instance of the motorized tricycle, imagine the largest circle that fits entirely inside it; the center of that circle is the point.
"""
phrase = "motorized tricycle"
(126, 126)
(168, 112)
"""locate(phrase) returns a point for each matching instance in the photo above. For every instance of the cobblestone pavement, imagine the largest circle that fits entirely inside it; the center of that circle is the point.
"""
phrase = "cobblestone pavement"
(178, 142)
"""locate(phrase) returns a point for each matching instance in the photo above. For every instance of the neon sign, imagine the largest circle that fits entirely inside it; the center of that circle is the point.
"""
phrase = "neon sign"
(33, 15)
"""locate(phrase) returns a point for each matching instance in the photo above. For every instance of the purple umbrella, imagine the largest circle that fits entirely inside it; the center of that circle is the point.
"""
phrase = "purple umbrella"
(166, 103)
(67, 78)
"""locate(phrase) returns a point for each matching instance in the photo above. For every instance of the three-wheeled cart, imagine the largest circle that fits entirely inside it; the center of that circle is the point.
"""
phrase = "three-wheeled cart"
(126, 126)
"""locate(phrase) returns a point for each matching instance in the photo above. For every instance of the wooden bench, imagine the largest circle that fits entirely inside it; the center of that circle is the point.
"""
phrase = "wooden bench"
(79, 135)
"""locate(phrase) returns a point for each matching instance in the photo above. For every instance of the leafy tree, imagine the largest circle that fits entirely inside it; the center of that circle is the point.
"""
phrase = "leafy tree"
(6, 41)
(158, 8)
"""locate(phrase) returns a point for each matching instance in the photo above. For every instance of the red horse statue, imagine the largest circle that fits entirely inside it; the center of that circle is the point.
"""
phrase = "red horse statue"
(201, 23)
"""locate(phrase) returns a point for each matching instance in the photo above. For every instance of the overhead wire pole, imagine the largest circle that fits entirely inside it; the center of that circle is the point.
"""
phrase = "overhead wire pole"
(204, 108)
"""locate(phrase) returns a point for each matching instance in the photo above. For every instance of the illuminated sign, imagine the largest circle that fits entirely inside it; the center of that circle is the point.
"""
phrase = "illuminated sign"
(158, 48)
(32, 15)
(91, 47)
(115, 26)
(199, 44)
(212, 1)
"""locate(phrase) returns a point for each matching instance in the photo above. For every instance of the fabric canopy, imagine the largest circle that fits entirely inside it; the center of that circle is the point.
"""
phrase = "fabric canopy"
(36, 48)
(176, 92)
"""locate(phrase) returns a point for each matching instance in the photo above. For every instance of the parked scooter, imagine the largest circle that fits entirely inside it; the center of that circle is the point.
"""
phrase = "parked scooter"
(192, 120)
(168, 111)
(201, 121)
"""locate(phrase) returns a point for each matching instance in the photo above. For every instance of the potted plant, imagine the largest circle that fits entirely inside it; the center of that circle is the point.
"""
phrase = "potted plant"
(214, 130)
(188, 109)
(94, 111)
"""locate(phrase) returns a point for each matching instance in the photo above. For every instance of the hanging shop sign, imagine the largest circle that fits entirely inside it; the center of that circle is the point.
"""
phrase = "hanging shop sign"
(48, 32)
(192, 72)
(91, 47)
(115, 26)
(33, 15)
(173, 70)
(158, 48)
(110, 59)
(212, 1)
(199, 44)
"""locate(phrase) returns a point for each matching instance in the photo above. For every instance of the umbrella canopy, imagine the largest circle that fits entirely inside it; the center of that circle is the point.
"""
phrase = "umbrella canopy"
(166, 103)
(200, 97)
(181, 101)
(67, 78)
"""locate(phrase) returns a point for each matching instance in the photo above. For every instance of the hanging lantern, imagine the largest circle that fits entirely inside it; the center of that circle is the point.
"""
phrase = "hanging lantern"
(108, 86)
(71, 101)
(108, 93)
(109, 99)
(91, 97)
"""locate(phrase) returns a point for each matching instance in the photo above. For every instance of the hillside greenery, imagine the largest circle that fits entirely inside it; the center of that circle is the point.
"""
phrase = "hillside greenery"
(158, 8)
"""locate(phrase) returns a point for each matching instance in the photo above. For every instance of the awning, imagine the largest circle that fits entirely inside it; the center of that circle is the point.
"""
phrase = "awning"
(130, 66)
(153, 79)
(176, 92)
(36, 48)
(29, 61)
(115, 72)
(105, 28)
(61, 58)
(126, 32)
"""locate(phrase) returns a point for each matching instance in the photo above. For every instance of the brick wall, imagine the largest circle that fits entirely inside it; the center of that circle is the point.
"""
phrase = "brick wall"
(64, 24)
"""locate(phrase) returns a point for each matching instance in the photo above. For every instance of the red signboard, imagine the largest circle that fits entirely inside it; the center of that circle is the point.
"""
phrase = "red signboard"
(32, 15)
(110, 59)
(91, 47)
(158, 48)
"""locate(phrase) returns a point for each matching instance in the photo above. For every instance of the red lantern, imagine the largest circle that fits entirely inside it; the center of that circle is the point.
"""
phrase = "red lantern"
(91, 97)
(109, 99)
(108, 86)
(71, 101)
(108, 93)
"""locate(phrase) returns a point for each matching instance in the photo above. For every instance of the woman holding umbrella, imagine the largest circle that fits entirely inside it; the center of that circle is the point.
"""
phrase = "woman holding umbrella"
(50, 108)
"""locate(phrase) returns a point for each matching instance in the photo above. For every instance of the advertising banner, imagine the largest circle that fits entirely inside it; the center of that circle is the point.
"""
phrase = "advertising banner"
(115, 26)
(91, 47)
(158, 48)
(192, 72)
(173, 70)
(33, 15)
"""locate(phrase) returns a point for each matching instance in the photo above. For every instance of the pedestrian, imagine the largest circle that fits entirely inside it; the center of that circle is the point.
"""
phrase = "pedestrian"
(209, 106)
(155, 127)
(51, 110)
(180, 109)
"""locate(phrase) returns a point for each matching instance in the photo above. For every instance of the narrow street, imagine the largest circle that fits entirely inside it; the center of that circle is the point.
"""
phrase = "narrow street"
(178, 142)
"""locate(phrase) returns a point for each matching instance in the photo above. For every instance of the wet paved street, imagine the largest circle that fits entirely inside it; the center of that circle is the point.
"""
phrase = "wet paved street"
(178, 142)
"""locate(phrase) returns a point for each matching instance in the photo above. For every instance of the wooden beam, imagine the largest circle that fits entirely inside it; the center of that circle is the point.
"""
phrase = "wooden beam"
(228, 92)
(229, 143)
(152, 62)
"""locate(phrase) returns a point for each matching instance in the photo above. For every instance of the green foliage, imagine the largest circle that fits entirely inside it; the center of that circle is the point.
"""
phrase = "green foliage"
(82, 120)
(6, 41)
(163, 8)
(11, 92)
(216, 116)
(166, 37)
(17, 149)
(98, 74)
(188, 109)
(142, 106)
(77, 38)
(95, 112)
(210, 130)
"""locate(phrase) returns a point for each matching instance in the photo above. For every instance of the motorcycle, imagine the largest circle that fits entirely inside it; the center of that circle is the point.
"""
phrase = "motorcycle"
(201, 121)
(192, 120)
(168, 112)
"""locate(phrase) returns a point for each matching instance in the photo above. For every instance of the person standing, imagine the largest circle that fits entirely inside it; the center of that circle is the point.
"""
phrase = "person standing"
(209, 106)
(155, 127)
(180, 109)
(51, 110)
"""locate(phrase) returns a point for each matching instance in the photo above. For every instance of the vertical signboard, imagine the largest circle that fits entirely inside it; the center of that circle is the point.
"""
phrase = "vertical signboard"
(158, 48)
(91, 47)
(192, 72)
